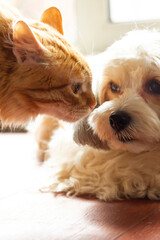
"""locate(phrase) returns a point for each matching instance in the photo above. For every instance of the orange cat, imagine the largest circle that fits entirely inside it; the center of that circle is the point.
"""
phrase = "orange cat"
(40, 72)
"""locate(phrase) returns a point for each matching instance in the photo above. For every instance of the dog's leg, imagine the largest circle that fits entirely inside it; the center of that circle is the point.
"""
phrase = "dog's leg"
(43, 135)
(85, 173)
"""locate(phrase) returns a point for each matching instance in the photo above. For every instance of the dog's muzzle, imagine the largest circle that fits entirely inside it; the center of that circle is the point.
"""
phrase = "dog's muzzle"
(119, 120)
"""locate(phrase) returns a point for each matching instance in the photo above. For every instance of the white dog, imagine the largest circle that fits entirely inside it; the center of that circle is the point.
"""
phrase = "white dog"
(125, 125)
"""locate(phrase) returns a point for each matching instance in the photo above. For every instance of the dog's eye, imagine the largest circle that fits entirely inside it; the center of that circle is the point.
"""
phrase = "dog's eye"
(153, 86)
(114, 87)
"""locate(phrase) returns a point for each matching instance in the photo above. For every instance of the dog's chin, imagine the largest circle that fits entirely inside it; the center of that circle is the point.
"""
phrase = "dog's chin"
(130, 145)
(125, 143)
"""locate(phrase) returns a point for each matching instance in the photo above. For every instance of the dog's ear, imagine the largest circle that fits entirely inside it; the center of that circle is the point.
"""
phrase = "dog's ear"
(84, 135)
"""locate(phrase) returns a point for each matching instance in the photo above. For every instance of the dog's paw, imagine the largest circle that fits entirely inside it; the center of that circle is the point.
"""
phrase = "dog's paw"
(66, 186)
(69, 182)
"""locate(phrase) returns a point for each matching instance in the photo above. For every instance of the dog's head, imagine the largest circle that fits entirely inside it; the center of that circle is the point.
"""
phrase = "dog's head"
(128, 117)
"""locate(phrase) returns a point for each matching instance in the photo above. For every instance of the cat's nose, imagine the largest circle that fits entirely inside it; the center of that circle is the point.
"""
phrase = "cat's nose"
(92, 106)
(119, 120)
(91, 101)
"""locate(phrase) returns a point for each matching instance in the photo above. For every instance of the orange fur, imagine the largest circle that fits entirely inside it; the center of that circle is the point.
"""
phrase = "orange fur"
(39, 69)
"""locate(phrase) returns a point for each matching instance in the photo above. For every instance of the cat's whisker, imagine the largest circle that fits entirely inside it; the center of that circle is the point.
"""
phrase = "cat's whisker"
(83, 42)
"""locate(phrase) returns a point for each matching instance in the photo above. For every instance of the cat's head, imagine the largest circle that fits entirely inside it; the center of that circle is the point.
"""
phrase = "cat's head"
(49, 75)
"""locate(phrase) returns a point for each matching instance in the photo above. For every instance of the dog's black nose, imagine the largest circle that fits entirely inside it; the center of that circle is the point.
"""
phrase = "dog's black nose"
(119, 120)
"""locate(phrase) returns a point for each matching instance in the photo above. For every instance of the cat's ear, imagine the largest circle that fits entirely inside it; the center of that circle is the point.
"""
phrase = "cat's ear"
(53, 17)
(26, 47)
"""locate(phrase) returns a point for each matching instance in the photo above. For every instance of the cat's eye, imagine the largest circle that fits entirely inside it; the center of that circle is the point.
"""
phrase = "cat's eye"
(153, 86)
(76, 88)
(114, 87)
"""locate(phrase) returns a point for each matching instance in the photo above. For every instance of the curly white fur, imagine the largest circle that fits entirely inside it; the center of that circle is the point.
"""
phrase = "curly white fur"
(132, 169)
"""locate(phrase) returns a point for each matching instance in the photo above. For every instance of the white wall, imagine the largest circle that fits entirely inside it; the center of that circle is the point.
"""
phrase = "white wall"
(96, 31)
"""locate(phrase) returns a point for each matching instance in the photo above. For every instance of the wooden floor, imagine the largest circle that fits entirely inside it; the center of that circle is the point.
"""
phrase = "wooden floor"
(27, 214)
